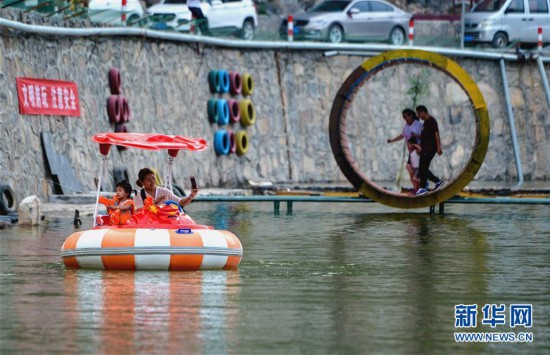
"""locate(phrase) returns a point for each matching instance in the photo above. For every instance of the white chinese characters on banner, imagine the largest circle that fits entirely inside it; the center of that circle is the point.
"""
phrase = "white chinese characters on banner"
(48, 97)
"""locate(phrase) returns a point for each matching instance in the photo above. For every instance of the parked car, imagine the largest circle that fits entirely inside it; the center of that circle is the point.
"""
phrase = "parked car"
(351, 20)
(227, 16)
(500, 22)
(110, 11)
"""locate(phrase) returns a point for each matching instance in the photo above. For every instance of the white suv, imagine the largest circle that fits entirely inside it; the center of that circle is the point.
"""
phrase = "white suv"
(235, 16)
(110, 11)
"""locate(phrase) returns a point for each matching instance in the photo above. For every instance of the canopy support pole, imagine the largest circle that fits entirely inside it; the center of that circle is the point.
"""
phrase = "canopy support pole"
(101, 170)
(168, 176)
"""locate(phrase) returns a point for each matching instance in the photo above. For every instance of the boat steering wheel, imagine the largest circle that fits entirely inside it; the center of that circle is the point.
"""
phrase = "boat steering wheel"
(172, 202)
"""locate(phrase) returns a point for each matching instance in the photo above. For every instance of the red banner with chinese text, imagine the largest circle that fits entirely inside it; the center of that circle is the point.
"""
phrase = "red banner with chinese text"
(47, 97)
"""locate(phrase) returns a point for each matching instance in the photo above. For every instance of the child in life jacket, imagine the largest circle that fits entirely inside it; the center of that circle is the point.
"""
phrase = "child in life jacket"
(123, 206)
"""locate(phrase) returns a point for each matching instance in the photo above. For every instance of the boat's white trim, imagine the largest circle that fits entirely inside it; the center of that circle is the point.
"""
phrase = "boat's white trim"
(161, 250)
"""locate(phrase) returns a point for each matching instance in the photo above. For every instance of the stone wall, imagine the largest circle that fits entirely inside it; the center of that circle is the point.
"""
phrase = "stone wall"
(167, 88)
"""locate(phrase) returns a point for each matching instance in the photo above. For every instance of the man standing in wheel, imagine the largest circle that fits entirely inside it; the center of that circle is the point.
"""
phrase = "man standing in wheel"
(430, 144)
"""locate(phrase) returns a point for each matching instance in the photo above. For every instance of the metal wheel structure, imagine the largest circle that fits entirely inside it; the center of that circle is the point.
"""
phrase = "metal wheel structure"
(341, 146)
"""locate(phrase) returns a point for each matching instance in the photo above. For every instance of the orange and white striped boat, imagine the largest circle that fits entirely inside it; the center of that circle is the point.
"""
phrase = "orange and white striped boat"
(152, 249)
(155, 238)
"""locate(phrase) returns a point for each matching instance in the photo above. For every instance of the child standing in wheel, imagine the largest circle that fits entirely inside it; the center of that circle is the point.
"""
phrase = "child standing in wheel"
(413, 163)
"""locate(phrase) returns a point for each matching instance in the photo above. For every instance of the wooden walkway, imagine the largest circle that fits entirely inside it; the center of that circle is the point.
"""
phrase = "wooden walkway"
(290, 199)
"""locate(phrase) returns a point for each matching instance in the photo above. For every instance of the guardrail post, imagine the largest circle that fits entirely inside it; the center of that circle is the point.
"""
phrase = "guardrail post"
(290, 28)
(411, 32)
(288, 207)
(123, 15)
(539, 42)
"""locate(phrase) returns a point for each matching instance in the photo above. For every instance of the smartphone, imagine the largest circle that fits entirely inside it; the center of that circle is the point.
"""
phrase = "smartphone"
(193, 183)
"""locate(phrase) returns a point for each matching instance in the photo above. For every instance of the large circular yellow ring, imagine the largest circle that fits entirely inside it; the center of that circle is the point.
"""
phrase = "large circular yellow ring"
(339, 140)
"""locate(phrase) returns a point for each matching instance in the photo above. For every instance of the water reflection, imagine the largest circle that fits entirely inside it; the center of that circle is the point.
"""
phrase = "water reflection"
(150, 312)
(327, 279)
(418, 265)
(426, 246)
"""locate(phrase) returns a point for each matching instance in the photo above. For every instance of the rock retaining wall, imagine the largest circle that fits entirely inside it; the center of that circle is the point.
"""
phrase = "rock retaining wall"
(167, 88)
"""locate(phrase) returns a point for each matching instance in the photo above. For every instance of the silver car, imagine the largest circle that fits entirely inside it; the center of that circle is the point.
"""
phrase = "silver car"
(345, 20)
(501, 22)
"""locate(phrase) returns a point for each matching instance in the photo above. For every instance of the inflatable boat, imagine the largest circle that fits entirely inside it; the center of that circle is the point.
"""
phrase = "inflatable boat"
(156, 237)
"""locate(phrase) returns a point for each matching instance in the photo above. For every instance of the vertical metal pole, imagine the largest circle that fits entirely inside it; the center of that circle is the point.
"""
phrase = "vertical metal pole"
(544, 79)
(168, 175)
(101, 170)
(462, 24)
(512, 122)
(411, 32)
(123, 14)
(290, 28)
(539, 40)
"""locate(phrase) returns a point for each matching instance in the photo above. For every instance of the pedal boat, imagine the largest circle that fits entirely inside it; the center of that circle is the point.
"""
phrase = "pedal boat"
(155, 238)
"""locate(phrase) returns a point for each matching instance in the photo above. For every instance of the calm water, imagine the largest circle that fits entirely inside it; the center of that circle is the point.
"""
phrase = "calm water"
(330, 278)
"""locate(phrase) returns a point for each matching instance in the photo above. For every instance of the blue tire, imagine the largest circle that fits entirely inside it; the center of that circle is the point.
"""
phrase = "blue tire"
(222, 143)
(223, 112)
(224, 81)
(214, 81)
(213, 112)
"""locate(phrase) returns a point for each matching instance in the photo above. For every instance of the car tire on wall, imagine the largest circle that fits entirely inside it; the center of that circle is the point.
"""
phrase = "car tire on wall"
(248, 113)
(8, 202)
(224, 81)
(121, 128)
(214, 81)
(248, 84)
(115, 81)
(236, 85)
(124, 109)
(223, 112)
(213, 110)
(221, 142)
(232, 142)
(113, 109)
(234, 110)
(241, 141)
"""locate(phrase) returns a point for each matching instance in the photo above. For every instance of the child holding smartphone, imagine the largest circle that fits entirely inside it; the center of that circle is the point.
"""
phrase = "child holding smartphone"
(146, 180)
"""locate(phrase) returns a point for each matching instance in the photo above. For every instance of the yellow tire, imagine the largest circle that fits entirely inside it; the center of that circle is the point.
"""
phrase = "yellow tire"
(241, 139)
(248, 113)
(248, 84)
